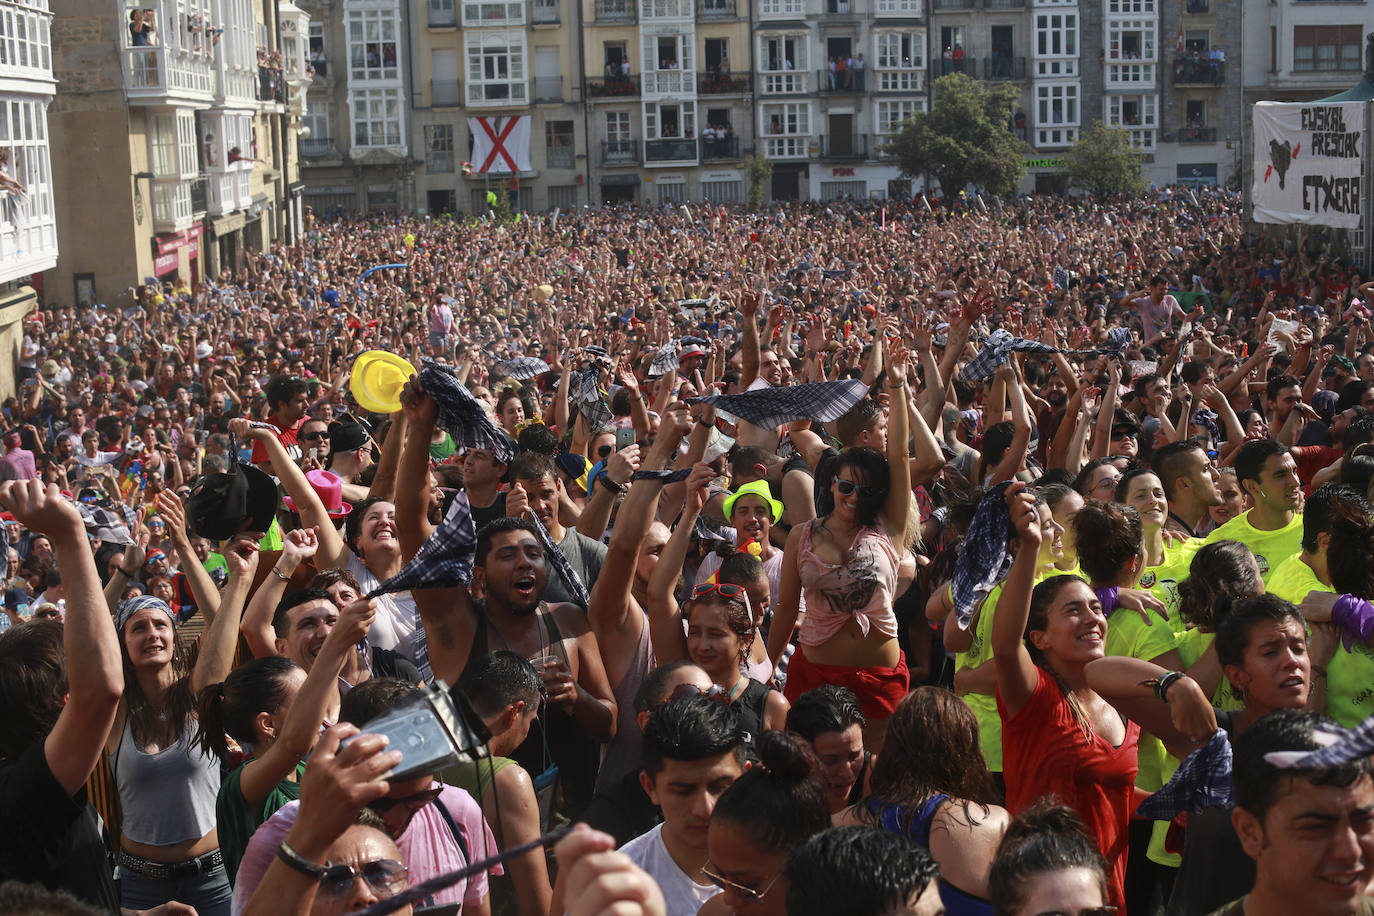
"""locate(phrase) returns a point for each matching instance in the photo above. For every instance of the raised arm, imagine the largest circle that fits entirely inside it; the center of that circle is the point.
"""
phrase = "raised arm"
(256, 625)
(333, 552)
(898, 456)
(1011, 460)
(619, 470)
(203, 588)
(1016, 674)
(222, 635)
(302, 724)
(749, 340)
(665, 617)
(412, 472)
(612, 613)
(384, 479)
(1102, 434)
(95, 677)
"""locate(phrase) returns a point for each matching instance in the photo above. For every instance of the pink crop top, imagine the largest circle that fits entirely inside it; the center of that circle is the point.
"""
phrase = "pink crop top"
(862, 589)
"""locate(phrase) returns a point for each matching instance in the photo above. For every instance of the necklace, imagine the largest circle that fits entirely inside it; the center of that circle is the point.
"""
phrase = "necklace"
(736, 690)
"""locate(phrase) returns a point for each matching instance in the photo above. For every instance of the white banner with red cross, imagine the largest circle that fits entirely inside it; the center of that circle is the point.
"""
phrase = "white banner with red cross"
(500, 144)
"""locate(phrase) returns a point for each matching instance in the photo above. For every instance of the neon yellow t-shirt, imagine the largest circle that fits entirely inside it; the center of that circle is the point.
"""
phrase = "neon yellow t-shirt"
(1293, 580)
(1350, 685)
(1270, 548)
(1162, 580)
(1130, 636)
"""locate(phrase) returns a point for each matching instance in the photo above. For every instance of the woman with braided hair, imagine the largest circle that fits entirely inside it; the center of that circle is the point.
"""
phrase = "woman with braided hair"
(1059, 736)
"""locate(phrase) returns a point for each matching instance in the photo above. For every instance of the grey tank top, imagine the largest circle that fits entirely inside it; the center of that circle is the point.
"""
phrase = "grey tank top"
(167, 797)
(625, 752)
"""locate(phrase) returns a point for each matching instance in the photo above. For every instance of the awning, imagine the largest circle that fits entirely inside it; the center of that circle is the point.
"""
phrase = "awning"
(619, 181)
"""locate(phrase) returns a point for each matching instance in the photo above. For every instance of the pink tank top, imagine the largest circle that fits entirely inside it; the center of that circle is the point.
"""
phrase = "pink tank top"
(861, 590)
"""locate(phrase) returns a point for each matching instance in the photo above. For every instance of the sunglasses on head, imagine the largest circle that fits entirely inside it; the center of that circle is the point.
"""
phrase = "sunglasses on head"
(413, 802)
(386, 876)
(733, 592)
(726, 884)
(714, 692)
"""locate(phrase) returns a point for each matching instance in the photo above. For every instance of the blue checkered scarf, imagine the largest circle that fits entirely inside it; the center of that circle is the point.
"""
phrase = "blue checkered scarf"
(520, 368)
(767, 408)
(1202, 780)
(997, 349)
(984, 559)
(561, 565)
(461, 415)
(591, 400)
(444, 560)
(1339, 746)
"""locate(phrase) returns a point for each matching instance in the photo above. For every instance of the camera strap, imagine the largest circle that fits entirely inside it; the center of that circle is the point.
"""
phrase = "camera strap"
(456, 830)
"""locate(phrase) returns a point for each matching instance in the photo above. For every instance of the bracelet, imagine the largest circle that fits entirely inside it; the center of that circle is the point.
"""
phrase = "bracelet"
(901, 384)
(1162, 684)
(701, 422)
(606, 481)
(277, 572)
(127, 574)
(299, 862)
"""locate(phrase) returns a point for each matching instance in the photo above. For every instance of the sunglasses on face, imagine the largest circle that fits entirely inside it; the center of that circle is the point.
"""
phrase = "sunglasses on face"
(385, 876)
(1090, 911)
(53, 615)
(726, 884)
(413, 802)
(314, 437)
(1119, 434)
(603, 452)
(849, 487)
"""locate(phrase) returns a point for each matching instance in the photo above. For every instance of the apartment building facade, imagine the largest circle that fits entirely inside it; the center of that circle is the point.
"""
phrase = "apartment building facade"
(28, 215)
(175, 129)
(1166, 71)
(28, 230)
(668, 91)
(498, 87)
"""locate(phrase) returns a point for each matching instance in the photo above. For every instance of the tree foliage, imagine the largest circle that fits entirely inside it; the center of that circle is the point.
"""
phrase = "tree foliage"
(759, 168)
(1103, 161)
(965, 139)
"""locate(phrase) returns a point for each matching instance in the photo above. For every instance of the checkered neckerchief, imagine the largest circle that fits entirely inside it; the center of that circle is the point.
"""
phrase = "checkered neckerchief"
(461, 415)
(444, 560)
(821, 402)
(1000, 344)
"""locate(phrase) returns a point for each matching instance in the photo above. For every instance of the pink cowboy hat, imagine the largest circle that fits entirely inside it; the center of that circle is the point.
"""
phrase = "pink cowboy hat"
(329, 487)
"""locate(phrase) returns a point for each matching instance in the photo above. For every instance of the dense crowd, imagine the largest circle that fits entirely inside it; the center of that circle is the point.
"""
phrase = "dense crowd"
(915, 557)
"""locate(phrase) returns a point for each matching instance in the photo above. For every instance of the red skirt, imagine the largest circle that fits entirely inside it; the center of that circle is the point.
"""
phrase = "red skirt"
(879, 689)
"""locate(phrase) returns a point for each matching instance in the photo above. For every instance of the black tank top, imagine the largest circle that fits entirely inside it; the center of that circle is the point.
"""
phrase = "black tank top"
(576, 753)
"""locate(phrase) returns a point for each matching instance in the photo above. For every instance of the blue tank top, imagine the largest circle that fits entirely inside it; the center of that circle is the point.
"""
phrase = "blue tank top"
(914, 824)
